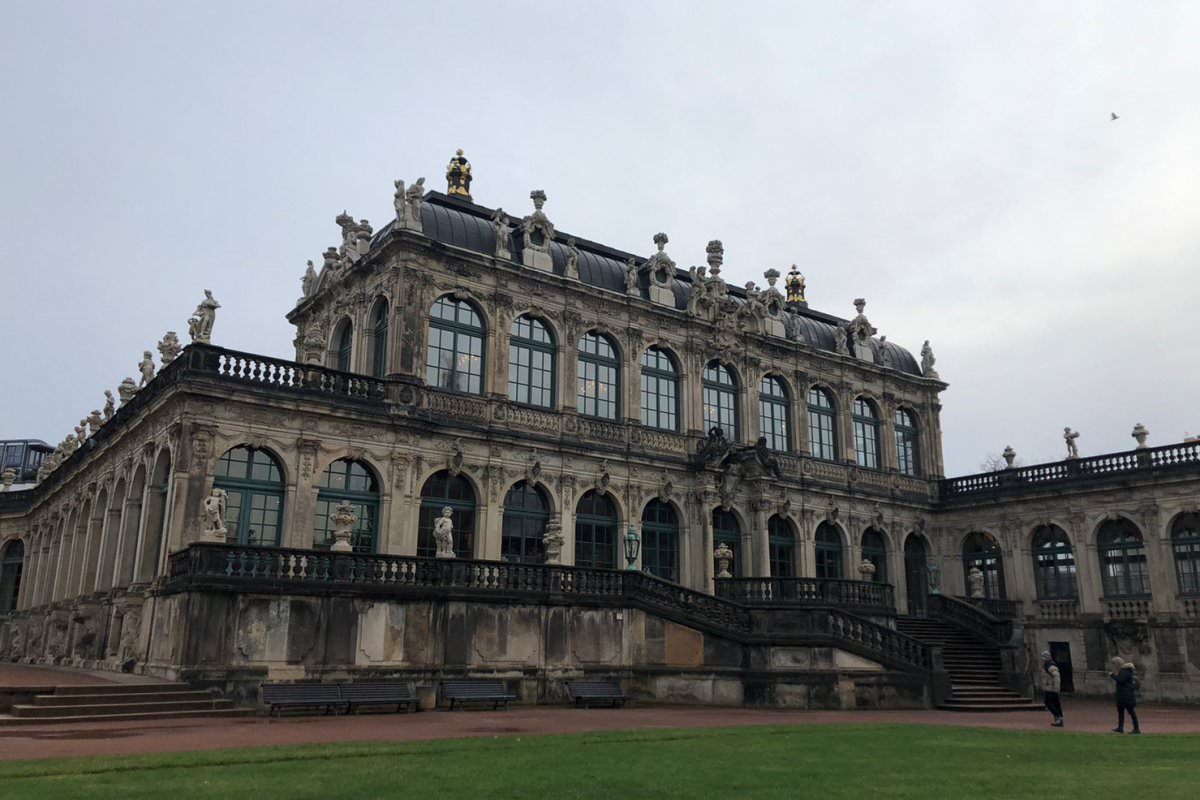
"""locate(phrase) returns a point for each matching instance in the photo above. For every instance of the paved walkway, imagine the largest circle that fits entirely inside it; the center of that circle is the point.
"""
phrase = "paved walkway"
(21, 675)
(103, 738)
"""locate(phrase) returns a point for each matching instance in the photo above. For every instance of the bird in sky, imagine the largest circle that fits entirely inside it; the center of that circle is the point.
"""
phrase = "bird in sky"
(1114, 117)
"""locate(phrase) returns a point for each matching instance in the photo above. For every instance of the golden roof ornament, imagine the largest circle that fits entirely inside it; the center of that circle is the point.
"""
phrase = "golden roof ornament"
(795, 286)
(458, 176)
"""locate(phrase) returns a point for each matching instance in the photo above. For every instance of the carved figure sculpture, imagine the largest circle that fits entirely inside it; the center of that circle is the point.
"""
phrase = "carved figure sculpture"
(724, 557)
(110, 405)
(9, 476)
(933, 574)
(552, 540)
(631, 277)
(201, 323)
(214, 516)
(414, 196)
(572, 270)
(1069, 436)
(309, 281)
(146, 367)
(458, 176)
(975, 581)
(169, 347)
(500, 229)
(94, 421)
(398, 200)
(127, 389)
(343, 520)
(927, 361)
(81, 431)
(443, 534)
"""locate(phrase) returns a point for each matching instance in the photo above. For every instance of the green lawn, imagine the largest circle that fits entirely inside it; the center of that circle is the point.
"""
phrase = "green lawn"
(827, 761)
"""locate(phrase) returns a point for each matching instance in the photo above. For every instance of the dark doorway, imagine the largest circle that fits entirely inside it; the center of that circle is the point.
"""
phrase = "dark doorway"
(1061, 653)
(916, 574)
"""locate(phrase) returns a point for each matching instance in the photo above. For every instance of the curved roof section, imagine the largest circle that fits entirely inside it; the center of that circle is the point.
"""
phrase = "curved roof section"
(460, 223)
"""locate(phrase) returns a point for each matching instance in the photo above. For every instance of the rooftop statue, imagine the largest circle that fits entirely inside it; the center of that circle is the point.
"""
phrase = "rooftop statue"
(1069, 436)
(201, 323)
(146, 367)
(458, 176)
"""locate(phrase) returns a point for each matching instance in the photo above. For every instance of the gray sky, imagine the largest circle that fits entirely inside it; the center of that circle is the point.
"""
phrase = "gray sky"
(952, 162)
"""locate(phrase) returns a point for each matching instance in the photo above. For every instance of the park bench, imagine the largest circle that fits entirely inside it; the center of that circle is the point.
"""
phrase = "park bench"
(277, 696)
(462, 692)
(378, 694)
(584, 693)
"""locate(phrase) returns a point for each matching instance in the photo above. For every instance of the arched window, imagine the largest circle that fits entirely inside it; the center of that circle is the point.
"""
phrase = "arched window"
(981, 550)
(1053, 563)
(599, 377)
(1123, 568)
(379, 333)
(1185, 543)
(829, 551)
(916, 573)
(727, 531)
(781, 545)
(441, 490)
(660, 390)
(454, 360)
(253, 484)
(345, 347)
(526, 512)
(12, 561)
(822, 425)
(721, 400)
(355, 483)
(660, 540)
(907, 455)
(874, 549)
(774, 414)
(866, 434)
(596, 532)
(531, 354)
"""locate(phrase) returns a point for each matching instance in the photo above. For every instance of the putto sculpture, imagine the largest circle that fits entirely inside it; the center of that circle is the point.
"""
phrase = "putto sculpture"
(443, 534)
(200, 324)
(552, 541)
(110, 405)
(146, 367)
(1069, 436)
(214, 516)
(927, 361)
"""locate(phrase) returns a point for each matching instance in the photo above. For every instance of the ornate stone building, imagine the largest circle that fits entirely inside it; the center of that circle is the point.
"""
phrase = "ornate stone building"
(578, 410)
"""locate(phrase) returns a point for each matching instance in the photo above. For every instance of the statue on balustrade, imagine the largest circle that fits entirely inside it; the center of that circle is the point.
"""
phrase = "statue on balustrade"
(975, 581)
(214, 516)
(443, 534)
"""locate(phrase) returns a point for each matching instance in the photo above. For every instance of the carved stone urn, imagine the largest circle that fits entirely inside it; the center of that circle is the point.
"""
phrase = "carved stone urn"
(866, 570)
(7, 478)
(724, 557)
(343, 520)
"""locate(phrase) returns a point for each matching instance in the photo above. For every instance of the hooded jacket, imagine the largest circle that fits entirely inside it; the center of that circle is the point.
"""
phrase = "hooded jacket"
(1126, 692)
(1051, 677)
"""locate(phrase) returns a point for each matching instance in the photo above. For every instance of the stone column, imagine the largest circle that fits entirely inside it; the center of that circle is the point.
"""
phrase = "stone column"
(29, 574)
(567, 502)
(91, 556)
(897, 575)
(177, 511)
(755, 542)
(751, 423)
(706, 572)
(1088, 583)
(109, 544)
(800, 437)
(490, 519)
(887, 437)
(845, 420)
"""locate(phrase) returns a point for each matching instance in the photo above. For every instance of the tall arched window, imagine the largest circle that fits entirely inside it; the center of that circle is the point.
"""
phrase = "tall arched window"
(727, 531)
(526, 512)
(660, 390)
(829, 551)
(355, 483)
(1053, 564)
(441, 490)
(981, 550)
(866, 434)
(345, 347)
(531, 353)
(599, 377)
(781, 546)
(916, 573)
(253, 484)
(454, 360)
(596, 532)
(775, 414)
(1185, 543)
(12, 561)
(660, 540)
(720, 394)
(874, 549)
(379, 333)
(1123, 568)
(907, 454)
(822, 425)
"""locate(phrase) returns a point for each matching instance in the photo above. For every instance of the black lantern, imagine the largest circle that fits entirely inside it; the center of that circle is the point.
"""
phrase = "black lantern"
(632, 545)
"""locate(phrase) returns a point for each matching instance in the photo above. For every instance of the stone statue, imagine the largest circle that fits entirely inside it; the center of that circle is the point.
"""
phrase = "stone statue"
(927, 361)
(127, 389)
(1140, 433)
(169, 347)
(146, 367)
(724, 557)
(1010, 455)
(933, 574)
(552, 540)
(500, 229)
(631, 277)
(1069, 436)
(214, 517)
(200, 324)
(443, 534)
(309, 281)
(110, 405)
(398, 201)
(349, 232)
(840, 341)
(70, 444)
(81, 431)
(572, 270)
(343, 520)
(866, 570)
(94, 422)
(975, 581)
(414, 196)
(9, 476)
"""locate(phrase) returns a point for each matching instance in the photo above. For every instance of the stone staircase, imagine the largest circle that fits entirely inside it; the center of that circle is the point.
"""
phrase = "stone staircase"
(118, 702)
(973, 666)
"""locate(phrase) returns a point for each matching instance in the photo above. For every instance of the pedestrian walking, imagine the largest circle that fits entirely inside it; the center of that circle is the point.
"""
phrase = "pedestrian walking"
(1126, 686)
(1051, 686)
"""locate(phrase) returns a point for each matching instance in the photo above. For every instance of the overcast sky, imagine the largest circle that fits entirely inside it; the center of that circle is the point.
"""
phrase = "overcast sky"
(952, 162)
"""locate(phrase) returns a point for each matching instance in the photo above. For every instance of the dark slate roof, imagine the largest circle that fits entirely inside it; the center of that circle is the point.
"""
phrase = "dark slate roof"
(458, 222)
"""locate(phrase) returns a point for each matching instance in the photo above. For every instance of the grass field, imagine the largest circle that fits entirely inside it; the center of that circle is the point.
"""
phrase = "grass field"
(828, 761)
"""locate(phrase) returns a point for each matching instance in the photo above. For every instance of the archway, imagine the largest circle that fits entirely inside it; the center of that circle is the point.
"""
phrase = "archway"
(441, 490)
(12, 563)
(526, 512)
(916, 574)
(981, 550)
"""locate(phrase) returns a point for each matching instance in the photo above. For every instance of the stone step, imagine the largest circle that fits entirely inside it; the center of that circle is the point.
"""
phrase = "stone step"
(122, 688)
(138, 715)
(119, 708)
(951, 705)
(123, 697)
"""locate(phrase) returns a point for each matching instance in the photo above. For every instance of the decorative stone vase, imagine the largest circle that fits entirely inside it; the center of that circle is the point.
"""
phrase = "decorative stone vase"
(343, 520)
(8, 477)
(866, 570)
(724, 557)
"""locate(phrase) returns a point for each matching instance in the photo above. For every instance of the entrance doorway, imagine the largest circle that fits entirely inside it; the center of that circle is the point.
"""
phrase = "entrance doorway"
(916, 574)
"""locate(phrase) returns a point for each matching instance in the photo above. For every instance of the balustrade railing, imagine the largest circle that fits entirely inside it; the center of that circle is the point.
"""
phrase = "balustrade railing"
(1127, 607)
(996, 606)
(1067, 609)
(867, 596)
(972, 618)
(277, 373)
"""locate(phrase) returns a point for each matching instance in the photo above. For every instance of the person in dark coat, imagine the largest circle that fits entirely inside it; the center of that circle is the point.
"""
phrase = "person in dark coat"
(1051, 686)
(1126, 691)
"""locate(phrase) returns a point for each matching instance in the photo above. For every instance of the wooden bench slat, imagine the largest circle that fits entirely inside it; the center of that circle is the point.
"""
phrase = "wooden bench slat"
(583, 691)
(476, 691)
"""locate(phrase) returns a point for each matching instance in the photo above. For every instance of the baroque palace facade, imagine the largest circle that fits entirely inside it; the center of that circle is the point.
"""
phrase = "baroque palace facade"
(711, 493)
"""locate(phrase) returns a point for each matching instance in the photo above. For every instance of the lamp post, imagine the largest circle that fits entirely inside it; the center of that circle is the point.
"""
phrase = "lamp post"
(632, 545)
